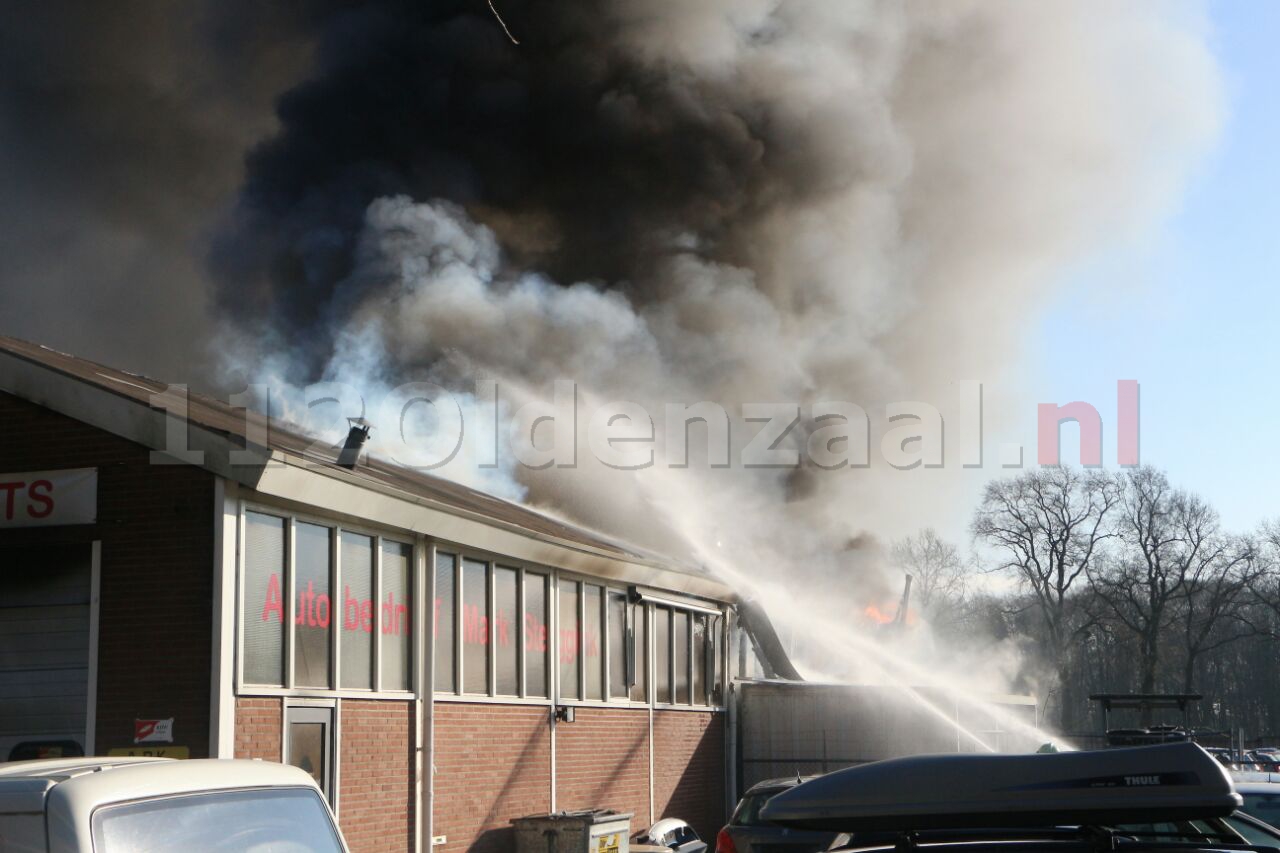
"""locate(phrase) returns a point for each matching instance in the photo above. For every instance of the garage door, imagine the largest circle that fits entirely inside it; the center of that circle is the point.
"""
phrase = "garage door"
(44, 650)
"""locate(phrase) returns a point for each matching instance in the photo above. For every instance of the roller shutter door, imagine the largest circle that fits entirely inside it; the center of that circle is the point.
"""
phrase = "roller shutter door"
(44, 649)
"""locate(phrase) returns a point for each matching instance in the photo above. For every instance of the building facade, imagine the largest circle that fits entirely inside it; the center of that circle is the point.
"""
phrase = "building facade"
(178, 577)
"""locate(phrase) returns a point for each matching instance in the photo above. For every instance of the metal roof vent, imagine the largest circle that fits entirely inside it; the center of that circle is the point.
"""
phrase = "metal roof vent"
(356, 439)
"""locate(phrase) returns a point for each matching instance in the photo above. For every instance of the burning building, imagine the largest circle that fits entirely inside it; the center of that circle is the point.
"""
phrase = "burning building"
(180, 581)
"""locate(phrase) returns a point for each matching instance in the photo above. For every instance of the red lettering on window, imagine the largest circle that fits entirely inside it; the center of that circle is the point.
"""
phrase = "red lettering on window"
(322, 611)
(46, 499)
(274, 603)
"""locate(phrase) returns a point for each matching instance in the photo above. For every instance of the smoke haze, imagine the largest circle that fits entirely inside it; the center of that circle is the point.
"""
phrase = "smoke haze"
(729, 200)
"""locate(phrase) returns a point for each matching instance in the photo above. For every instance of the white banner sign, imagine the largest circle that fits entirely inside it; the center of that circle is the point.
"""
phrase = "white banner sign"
(47, 498)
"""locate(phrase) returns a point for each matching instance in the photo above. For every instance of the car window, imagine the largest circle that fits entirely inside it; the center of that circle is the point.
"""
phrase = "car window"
(1253, 832)
(291, 820)
(1265, 807)
(748, 811)
(1184, 831)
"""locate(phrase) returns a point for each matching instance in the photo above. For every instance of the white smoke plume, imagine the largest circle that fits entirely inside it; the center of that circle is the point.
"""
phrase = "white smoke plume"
(815, 201)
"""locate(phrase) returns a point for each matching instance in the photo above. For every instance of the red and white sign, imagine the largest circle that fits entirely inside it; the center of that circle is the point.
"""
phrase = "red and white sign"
(47, 498)
(153, 731)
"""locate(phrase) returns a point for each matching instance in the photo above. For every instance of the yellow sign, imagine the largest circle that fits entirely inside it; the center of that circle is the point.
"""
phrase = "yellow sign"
(610, 843)
(156, 751)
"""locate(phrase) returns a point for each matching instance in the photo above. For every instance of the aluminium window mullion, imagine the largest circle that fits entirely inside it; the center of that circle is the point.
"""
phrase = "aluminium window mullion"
(491, 626)
(606, 691)
(335, 586)
(518, 626)
(290, 601)
(377, 614)
(582, 641)
(459, 618)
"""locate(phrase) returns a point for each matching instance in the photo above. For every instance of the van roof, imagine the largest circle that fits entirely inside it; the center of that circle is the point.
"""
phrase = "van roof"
(24, 785)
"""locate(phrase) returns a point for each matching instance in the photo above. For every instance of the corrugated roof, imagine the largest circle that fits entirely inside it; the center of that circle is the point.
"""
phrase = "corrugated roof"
(221, 418)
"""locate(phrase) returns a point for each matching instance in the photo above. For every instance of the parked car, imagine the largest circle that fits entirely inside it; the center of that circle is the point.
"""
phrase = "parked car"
(669, 834)
(747, 832)
(122, 805)
(1174, 797)
(1261, 794)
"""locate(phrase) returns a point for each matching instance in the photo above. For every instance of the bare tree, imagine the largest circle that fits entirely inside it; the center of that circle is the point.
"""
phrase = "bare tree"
(1047, 526)
(1173, 560)
(1214, 610)
(939, 571)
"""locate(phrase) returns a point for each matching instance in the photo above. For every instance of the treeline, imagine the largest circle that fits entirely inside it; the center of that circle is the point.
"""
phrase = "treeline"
(1124, 583)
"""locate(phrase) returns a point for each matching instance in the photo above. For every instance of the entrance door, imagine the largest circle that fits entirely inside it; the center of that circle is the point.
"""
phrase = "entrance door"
(44, 650)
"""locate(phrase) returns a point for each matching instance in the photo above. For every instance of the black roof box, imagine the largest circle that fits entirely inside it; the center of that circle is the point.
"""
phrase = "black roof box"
(1145, 784)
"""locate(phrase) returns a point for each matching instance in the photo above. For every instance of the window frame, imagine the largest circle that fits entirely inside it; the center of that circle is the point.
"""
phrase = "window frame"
(644, 606)
(379, 535)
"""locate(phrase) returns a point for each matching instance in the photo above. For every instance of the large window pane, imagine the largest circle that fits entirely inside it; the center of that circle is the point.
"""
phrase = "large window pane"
(640, 625)
(265, 599)
(444, 633)
(568, 640)
(662, 653)
(312, 571)
(617, 646)
(592, 640)
(397, 622)
(356, 641)
(700, 659)
(475, 627)
(680, 640)
(535, 635)
(506, 649)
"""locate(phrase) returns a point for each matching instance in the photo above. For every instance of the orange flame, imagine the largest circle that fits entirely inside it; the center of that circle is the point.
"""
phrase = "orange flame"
(875, 614)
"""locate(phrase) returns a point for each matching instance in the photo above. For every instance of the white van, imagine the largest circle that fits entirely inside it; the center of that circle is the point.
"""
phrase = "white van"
(122, 805)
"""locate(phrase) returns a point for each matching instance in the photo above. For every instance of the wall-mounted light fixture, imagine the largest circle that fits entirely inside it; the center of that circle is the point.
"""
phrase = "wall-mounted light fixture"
(563, 714)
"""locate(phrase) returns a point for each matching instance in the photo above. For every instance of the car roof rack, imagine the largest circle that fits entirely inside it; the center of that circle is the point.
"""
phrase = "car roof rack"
(1177, 781)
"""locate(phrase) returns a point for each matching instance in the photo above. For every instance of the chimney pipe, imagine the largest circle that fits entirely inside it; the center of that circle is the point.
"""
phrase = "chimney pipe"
(356, 439)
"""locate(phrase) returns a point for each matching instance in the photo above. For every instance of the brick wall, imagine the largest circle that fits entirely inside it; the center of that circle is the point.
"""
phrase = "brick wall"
(689, 769)
(493, 763)
(156, 527)
(602, 761)
(258, 728)
(376, 787)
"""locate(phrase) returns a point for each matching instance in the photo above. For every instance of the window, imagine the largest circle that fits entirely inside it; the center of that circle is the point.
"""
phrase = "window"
(475, 627)
(592, 641)
(687, 650)
(662, 654)
(309, 743)
(568, 639)
(264, 819)
(700, 658)
(536, 626)
(324, 608)
(620, 647)
(507, 631)
(313, 566)
(264, 601)
(356, 570)
(640, 631)
(397, 624)
(506, 646)
(680, 641)
(445, 632)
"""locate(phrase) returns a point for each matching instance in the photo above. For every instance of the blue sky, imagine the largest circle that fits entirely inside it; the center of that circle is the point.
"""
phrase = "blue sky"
(1194, 314)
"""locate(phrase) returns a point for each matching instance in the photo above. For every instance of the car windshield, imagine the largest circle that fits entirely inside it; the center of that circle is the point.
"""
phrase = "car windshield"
(1265, 807)
(292, 820)
(748, 811)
